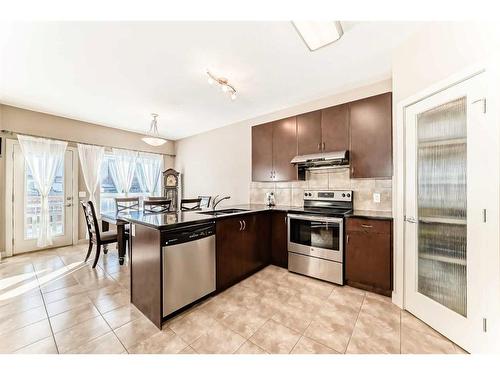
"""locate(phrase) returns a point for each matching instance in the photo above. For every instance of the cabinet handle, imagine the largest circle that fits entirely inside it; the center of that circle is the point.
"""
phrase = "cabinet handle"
(347, 239)
(366, 226)
(271, 174)
(244, 224)
(323, 146)
(241, 225)
(319, 146)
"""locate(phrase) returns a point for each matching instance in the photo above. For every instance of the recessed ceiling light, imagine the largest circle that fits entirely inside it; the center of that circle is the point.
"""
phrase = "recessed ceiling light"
(317, 34)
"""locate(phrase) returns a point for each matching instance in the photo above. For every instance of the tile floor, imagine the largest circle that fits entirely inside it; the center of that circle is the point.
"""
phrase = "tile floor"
(51, 302)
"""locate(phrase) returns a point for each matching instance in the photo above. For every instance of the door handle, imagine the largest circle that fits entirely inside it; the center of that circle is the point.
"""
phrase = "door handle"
(68, 205)
(411, 220)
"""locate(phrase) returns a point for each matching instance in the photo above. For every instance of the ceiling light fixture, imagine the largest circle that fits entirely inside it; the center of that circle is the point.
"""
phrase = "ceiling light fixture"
(154, 138)
(223, 83)
(317, 34)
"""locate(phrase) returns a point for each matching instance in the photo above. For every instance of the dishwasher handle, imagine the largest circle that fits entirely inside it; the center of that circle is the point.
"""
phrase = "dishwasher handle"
(188, 234)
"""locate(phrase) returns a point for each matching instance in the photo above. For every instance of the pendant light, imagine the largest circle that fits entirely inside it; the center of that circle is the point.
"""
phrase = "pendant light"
(154, 137)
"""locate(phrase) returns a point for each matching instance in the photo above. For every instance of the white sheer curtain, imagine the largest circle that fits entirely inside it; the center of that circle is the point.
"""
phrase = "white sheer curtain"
(43, 157)
(122, 169)
(149, 166)
(91, 160)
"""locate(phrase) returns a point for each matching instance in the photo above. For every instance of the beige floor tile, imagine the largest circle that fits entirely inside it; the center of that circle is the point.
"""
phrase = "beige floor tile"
(15, 340)
(97, 293)
(241, 296)
(293, 318)
(308, 346)
(379, 308)
(188, 350)
(73, 317)
(136, 331)
(279, 293)
(193, 325)
(122, 315)
(375, 335)
(67, 304)
(249, 347)
(220, 307)
(245, 322)
(81, 334)
(15, 269)
(305, 302)
(410, 321)
(63, 293)
(65, 281)
(334, 336)
(415, 342)
(164, 342)
(334, 315)
(105, 344)
(218, 340)
(275, 338)
(26, 295)
(21, 319)
(45, 346)
(112, 301)
(459, 350)
(20, 303)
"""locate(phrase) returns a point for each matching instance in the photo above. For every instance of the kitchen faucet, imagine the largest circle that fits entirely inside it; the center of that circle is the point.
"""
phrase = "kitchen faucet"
(216, 202)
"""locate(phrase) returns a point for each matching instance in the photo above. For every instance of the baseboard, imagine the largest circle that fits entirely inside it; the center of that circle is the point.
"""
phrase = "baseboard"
(82, 241)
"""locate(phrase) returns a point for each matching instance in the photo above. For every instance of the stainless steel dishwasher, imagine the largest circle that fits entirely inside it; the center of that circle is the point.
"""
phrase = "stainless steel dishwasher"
(188, 265)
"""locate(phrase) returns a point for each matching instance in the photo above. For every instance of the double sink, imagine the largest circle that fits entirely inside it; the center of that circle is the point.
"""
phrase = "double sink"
(227, 211)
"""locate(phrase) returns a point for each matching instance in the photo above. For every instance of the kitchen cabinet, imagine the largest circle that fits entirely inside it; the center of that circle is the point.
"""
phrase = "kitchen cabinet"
(284, 149)
(368, 254)
(274, 145)
(242, 247)
(370, 121)
(335, 128)
(262, 152)
(279, 239)
(309, 133)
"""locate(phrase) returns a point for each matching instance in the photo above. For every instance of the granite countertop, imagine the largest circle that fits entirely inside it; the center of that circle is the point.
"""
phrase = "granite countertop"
(380, 215)
(173, 220)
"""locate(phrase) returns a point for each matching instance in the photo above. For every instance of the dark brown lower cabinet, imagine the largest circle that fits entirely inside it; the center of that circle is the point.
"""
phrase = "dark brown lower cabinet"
(242, 247)
(279, 239)
(368, 255)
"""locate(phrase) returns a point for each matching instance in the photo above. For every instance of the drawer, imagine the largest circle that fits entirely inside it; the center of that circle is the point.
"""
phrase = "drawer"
(368, 225)
(315, 267)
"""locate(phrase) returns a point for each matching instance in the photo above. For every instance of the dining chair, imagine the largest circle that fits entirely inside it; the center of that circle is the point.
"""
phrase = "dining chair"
(205, 201)
(95, 236)
(190, 204)
(156, 204)
(123, 204)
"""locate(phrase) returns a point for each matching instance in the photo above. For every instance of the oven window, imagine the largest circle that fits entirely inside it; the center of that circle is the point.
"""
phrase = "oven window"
(315, 233)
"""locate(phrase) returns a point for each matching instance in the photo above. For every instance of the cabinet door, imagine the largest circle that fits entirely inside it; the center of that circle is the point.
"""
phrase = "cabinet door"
(371, 137)
(368, 262)
(284, 149)
(229, 265)
(279, 240)
(309, 133)
(262, 152)
(335, 128)
(256, 242)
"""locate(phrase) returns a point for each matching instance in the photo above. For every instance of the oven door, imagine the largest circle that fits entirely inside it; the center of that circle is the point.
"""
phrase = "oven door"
(319, 237)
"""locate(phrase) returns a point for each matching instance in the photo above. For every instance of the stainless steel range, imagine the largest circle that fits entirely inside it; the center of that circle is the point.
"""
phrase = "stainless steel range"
(316, 235)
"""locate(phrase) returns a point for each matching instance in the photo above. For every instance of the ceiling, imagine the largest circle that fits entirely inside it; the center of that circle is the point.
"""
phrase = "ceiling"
(117, 73)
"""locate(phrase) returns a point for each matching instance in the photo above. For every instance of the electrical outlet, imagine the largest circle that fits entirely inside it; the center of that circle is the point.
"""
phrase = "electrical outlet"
(82, 194)
(376, 197)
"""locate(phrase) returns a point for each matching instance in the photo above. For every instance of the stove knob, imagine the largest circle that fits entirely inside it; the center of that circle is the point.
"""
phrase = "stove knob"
(348, 195)
(343, 195)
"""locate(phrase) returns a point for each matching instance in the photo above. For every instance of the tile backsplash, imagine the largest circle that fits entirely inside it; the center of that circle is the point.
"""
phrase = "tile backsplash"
(292, 193)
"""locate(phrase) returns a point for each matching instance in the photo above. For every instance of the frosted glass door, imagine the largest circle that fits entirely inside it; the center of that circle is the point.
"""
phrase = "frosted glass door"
(442, 204)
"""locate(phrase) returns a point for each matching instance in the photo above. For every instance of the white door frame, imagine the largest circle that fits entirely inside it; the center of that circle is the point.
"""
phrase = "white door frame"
(9, 178)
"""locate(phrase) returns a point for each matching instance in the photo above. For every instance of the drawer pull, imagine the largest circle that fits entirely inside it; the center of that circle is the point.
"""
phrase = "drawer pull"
(366, 226)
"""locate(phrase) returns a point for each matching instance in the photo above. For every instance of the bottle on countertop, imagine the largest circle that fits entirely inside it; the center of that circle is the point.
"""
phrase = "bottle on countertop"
(270, 201)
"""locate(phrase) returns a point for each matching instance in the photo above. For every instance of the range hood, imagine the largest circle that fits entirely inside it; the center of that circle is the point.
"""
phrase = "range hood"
(337, 159)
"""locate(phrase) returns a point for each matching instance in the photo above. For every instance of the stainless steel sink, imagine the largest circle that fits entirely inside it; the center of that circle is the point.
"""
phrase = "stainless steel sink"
(222, 212)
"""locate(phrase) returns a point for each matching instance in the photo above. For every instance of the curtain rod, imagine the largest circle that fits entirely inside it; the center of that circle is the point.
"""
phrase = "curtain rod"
(10, 132)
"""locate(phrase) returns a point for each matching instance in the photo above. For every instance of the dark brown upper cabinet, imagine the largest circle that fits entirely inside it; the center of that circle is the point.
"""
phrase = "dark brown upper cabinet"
(284, 149)
(335, 128)
(309, 133)
(262, 152)
(371, 137)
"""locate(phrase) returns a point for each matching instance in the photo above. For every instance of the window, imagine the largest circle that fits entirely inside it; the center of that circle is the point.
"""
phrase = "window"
(109, 191)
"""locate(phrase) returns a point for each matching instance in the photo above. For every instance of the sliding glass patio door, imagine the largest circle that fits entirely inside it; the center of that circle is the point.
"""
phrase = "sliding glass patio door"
(27, 202)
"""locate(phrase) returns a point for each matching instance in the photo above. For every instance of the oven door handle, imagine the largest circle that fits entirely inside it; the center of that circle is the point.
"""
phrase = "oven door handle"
(320, 219)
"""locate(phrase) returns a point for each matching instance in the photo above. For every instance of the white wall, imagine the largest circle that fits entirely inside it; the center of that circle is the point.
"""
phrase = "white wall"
(220, 161)
(437, 52)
